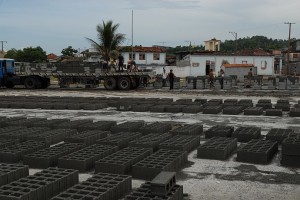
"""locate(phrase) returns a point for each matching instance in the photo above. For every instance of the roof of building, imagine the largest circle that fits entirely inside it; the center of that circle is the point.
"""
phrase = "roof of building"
(155, 49)
(237, 65)
(52, 56)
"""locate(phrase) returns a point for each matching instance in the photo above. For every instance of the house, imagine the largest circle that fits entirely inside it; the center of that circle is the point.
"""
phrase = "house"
(145, 55)
(52, 58)
(199, 63)
(212, 45)
(91, 55)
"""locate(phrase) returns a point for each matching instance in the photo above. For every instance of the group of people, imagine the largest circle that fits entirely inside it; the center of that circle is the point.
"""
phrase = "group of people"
(211, 76)
(112, 65)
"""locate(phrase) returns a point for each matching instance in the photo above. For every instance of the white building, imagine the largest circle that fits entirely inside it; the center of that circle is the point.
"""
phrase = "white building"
(145, 55)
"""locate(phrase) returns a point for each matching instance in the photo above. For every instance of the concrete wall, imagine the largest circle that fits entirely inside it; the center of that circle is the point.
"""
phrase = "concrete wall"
(240, 72)
(148, 58)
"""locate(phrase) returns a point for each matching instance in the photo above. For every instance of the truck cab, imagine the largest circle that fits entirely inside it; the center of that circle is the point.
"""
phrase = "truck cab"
(7, 72)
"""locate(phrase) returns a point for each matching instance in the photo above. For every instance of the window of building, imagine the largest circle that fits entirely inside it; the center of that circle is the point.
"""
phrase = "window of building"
(264, 64)
(244, 62)
(130, 56)
(156, 56)
(142, 56)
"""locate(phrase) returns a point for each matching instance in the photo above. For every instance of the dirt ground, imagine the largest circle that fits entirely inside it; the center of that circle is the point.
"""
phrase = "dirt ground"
(201, 178)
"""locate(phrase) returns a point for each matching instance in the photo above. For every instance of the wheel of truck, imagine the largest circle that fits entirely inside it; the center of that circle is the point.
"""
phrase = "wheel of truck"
(30, 83)
(124, 83)
(9, 84)
(45, 82)
(110, 83)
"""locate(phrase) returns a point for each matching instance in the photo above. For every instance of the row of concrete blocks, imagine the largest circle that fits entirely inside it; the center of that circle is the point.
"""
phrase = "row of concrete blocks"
(121, 161)
(53, 106)
(162, 160)
(86, 137)
(188, 129)
(48, 157)
(290, 152)
(101, 186)
(40, 186)
(181, 142)
(144, 192)
(7, 142)
(121, 139)
(15, 153)
(84, 159)
(279, 134)
(12, 172)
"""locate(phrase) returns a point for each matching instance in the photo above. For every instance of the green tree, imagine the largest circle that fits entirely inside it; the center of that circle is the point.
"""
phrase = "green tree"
(108, 38)
(28, 54)
(69, 51)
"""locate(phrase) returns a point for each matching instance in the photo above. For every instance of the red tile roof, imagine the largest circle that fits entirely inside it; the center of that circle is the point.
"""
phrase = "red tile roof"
(146, 49)
(52, 56)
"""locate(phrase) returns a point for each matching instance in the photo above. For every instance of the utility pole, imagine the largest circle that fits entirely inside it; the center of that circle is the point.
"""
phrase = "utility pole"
(2, 44)
(289, 47)
(131, 36)
(235, 37)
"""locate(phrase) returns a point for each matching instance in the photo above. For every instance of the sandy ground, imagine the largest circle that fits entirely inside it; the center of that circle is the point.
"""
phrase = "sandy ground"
(201, 178)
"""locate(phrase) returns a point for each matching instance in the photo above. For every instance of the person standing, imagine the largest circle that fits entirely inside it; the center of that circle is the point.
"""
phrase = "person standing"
(171, 77)
(211, 78)
(121, 62)
(221, 77)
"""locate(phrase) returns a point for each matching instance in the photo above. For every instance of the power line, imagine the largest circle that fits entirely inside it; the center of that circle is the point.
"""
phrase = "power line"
(2, 44)
(289, 47)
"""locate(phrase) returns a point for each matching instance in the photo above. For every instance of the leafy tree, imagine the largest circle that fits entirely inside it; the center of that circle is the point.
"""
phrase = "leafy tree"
(108, 38)
(69, 51)
(28, 54)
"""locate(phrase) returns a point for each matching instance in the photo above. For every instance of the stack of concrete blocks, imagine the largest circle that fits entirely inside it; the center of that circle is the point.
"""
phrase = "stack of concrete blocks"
(233, 80)
(217, 148)
(163, 186)
(257, 82)
(12, 172)
(41, 185)
(291, 152)
(84, 159)
(245, 134)
(257, 151)
(219, 131)
(218, 83)
(120, 139)
(283, 104)
(227, 83)
(292, 83)
(100, 186)
(200, 82)
(191, 82)
(176, 84)
(272, 83)
(121, 161)
(162, 160)
(279, 134)
(158, 82)
(282, 82)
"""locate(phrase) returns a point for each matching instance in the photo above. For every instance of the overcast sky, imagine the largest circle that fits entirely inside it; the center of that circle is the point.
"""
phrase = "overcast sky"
(57, 24)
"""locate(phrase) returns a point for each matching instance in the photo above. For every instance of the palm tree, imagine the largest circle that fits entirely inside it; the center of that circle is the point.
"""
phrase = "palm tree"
(109, 39)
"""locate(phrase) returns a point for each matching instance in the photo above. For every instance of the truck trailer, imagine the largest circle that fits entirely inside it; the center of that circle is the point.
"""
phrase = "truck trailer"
(37, 75)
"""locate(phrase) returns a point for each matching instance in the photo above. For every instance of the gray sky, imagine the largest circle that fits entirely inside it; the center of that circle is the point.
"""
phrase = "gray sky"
(57, 24)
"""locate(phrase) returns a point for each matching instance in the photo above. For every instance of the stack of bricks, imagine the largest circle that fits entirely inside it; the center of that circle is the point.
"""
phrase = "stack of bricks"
(283, 104)
(101, 186)
(87, 137)
(119, 139)
(219, 131)
(121, 161)
(84, 159)
(156, 127)
(245, 134)
(200, 82)
(246, 103)
(191, 82)
(40, 186)
(158, 82)
(227, 83)
(181, 142)
(292, 83)
(282, 82)
(189, 129)
(52, 136)
(45, 158)
(12, 172)
(257, 151)
(291, 152)
(229, 102)
(271, 83)
(163, 186)
(279, 134)
(127, 127)
(233, 110)
(15, 153)
(22, 134)
(254, 111)
(100, 126)
(218, 148)
(256, 82)
(264, 103)
(151, 140)
(162, 160)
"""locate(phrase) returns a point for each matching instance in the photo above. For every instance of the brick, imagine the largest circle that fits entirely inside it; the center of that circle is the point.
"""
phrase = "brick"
(162, 184)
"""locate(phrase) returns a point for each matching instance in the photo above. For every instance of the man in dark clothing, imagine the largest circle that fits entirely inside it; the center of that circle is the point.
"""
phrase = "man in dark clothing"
(121, 62)
(171, 77)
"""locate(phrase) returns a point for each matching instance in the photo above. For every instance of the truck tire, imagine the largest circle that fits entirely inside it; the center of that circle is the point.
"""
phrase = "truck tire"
(45, 82)
(110, 83)
(30, 83)
(124, 83)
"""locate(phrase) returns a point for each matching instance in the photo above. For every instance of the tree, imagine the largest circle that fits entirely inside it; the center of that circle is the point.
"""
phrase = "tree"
(69, 51)
(28, 54)
(108, 38)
